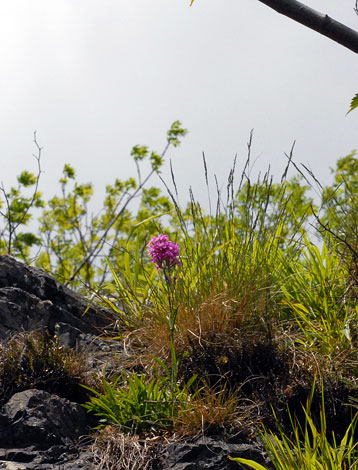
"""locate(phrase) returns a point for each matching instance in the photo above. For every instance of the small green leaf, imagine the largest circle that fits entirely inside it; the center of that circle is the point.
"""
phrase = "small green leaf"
(354, 104)
(175, 132)
(156, 161)
(69, 171)
(250, 463)
(28, 239)
(26, 179)
(139, 152)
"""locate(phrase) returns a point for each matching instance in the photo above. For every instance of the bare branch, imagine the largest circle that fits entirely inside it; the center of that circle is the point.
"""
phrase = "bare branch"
(317, 21)
(8, 217)
(39, 171)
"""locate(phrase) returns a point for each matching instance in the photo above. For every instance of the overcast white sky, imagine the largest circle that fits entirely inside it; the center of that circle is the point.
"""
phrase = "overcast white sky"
(95, 77)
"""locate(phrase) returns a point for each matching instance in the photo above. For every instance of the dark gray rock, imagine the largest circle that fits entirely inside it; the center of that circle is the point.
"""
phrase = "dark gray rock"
(38, 428)
(76, 461)
(209, 453)
(31, 299)
(36, 418)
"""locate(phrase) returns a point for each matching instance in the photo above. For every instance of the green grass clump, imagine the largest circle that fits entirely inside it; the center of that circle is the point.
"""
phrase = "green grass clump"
(309, 447)
(136, 404)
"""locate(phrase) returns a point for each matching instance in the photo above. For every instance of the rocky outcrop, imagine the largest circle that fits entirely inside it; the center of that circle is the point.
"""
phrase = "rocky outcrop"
(209, 453)
(30, 299)
(42, 431)
(39, 430)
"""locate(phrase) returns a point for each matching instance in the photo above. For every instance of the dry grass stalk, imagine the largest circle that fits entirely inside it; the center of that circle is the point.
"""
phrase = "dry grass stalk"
(114, 450)
(212, 412)
(217, 316)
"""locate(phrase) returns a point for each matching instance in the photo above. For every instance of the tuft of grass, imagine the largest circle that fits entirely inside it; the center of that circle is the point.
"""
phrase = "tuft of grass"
(315, 294)
(35, 360)
(213, 411)
(310, 446)
(115, 450)
(138, 404)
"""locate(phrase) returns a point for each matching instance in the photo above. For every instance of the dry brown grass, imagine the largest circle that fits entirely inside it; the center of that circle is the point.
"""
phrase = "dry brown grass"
(115, 450)
(215, 411)
(217, 316)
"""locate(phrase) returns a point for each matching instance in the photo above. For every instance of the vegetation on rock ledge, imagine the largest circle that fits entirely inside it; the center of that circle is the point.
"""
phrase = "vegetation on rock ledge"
(256, 300)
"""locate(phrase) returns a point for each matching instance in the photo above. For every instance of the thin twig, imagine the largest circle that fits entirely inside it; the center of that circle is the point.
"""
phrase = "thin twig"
(335, 235)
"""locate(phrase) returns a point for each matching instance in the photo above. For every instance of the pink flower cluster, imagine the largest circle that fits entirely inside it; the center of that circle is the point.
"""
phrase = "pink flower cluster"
(164, 253)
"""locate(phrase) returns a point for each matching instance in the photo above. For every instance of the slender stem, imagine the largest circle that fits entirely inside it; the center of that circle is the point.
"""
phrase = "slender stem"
(173, 311)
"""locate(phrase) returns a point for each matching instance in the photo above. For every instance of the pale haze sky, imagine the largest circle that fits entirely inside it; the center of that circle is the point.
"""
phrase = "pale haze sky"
(95, 77)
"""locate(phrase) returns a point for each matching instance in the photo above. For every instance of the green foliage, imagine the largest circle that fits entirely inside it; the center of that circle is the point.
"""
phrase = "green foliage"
(354, 103)
(69, 171)
(156, 161)
(26, 179)
(340, 205)
(310, 448)
(66, 235)
(315, 294)
(73, 243)
(139, 404)
(175, 134)
(76, 245)
(139, 152)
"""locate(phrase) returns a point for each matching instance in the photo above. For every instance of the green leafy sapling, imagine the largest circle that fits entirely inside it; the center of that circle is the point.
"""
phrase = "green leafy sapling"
(64, 227)
(76, 243)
